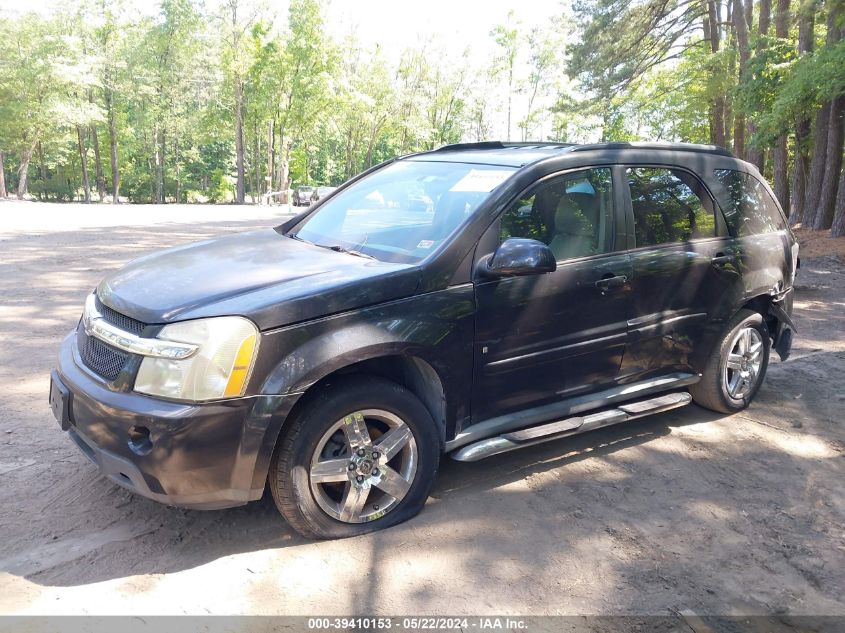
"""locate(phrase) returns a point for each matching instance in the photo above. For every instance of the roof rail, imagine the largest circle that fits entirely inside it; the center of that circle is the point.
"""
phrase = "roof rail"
(498, 145)
(677, 147)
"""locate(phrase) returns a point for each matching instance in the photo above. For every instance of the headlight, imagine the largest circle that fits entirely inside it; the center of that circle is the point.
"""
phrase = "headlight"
(220, 367)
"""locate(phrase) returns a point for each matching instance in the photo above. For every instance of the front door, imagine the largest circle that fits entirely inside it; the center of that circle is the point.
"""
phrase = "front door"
(546, 337)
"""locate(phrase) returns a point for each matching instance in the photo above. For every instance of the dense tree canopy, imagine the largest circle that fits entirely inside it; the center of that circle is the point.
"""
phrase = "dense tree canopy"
(100, 103)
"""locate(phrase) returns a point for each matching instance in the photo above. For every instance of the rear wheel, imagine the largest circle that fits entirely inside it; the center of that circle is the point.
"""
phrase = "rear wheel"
(736, 368)
(359, 457)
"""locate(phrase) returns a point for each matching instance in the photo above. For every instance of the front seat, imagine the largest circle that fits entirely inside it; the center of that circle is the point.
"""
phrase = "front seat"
(574, 234)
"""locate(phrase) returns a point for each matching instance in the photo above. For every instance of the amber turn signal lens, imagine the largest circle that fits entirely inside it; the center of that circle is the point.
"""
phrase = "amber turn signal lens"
(240, 370)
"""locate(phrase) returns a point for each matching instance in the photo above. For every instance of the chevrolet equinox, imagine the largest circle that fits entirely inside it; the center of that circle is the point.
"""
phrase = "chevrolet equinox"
(468, 301)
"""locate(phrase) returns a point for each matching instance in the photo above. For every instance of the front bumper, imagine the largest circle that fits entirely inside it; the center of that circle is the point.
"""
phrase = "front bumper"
(205, 456)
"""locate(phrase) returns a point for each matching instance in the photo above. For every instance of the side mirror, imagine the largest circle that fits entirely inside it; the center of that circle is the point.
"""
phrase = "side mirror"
(520, 256)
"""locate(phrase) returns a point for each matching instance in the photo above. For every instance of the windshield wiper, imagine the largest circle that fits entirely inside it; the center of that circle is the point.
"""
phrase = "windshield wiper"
(351, 251)
(294, 236)
(332, 247)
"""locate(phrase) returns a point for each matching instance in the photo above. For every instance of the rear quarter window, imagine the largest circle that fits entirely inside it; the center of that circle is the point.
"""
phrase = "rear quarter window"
(751, 209)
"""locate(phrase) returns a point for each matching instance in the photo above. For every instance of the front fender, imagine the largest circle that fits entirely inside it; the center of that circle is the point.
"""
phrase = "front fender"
(437, 327)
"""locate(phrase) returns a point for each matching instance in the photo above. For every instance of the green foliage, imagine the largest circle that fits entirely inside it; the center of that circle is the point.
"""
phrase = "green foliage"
(175, 86)
(794, 85)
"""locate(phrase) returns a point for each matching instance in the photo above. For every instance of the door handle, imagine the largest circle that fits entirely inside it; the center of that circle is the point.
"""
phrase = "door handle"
(606, 283)
(721, 260)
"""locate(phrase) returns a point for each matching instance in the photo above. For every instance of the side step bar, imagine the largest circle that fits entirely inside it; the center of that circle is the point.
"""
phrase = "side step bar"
(570, 426)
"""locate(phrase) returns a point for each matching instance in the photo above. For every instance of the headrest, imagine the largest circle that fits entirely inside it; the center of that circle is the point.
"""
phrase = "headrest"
(570, 218)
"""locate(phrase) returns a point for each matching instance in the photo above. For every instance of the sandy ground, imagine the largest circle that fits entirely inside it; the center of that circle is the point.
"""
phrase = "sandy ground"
(684, 510)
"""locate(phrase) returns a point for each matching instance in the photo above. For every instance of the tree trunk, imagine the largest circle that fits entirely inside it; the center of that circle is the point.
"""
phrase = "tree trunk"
(741, 29)
(822, 136)
(256, 163)
(158, 139)
(781, 173)
(284, 166)
(271, 154)
(799, 185)
(510, 97)
(717, 108)
(781, 153)
(806, 28)
(833, 137)
(755, 154)
(816, 173)
(23, 171)
(838, 228)
(98, 165)
(115, 171)
(765, 20)
(178, 170)
(83, 162)
(240, 193)
(42, 172)
(3, 192)
(149, 152)
(830, 179)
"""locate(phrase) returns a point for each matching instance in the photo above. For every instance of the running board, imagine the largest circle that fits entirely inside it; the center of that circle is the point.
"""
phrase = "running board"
(570, 426)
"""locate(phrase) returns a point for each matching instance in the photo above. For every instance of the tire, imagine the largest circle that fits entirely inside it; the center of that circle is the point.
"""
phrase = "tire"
(325, 501)
(736, 367)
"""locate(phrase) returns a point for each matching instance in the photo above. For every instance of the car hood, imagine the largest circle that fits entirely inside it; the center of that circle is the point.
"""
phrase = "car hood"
(270, 278)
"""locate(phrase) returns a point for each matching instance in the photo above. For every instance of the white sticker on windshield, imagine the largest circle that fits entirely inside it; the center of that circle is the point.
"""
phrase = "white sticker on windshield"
(425, 244)
(481, 181)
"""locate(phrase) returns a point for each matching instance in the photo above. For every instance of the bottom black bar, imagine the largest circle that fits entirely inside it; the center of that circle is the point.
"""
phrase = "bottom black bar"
(682, 622)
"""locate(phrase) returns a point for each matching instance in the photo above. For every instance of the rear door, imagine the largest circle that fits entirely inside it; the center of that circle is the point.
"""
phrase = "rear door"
(685, 269)
(770, 252)
(543, 338)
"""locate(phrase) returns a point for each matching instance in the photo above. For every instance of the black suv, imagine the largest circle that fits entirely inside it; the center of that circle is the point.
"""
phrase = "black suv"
(547, 290)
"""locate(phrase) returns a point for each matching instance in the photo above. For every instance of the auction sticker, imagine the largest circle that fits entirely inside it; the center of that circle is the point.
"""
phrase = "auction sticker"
(481, 180)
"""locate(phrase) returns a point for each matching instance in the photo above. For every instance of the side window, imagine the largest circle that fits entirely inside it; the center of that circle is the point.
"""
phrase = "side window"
(751, 208)
(573, 214)
(670, 205)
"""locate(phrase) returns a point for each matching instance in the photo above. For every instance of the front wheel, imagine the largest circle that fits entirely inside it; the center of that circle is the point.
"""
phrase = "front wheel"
(736, 367)
(359, 457)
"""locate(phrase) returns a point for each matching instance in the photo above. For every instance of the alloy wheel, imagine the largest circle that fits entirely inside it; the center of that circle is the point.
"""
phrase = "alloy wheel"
(742, 370)
(363, 466)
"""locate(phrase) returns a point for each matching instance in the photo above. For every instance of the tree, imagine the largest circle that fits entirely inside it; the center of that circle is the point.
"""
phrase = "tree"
(837, 228)
(506, 37)
(545, 57)
(755, 152)
(3, 192)
(834, 133)
(26, 89)
(781, 151)
(740, 24)
(219, 104)
(236, 64)
(712, 34)
(806, 30)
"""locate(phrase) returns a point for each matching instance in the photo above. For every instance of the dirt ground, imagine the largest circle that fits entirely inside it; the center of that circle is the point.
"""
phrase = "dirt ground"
(687, 510)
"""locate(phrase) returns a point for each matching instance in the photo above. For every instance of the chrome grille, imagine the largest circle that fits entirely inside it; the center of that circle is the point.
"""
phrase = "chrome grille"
(119, 320)
(99, 357)
(102, 359)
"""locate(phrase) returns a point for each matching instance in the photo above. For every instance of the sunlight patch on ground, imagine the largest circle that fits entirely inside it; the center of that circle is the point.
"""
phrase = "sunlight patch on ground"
(47, 217)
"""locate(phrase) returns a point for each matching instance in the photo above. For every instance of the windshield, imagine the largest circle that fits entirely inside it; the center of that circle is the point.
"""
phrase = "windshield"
(403, 212)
